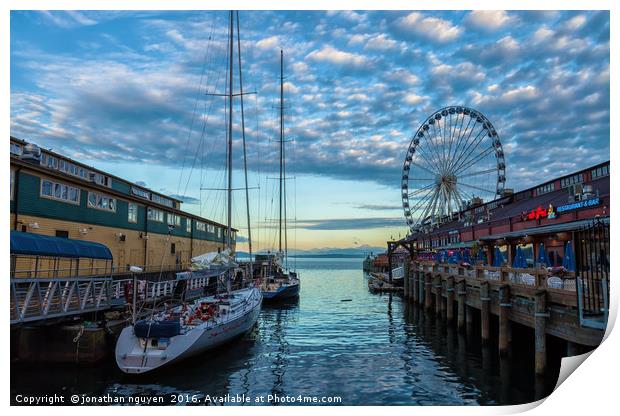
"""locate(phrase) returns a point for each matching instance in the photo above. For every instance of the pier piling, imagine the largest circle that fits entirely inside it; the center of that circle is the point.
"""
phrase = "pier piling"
(504, 323)
(450, 299)
(428, 300)
(414, 286)
(460, 291)
(540, 330)
(484, 312)
(438, 300)
(406, 277)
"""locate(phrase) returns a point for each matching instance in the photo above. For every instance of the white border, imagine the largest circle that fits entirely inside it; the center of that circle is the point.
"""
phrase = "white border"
(590, 390)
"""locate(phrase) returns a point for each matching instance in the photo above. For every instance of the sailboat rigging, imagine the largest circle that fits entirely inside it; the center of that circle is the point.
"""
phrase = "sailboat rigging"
(277, 281)
(188, 329)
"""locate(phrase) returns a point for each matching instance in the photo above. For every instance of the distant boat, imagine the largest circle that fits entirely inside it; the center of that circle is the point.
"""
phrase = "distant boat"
(189, 329)
(277, 282)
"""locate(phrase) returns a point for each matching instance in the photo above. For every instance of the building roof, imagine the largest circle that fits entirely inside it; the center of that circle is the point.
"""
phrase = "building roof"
(30, 244)
(544, 229)
(94, 169)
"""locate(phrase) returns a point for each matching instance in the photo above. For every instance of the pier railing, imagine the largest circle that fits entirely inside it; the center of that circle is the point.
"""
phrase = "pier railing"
(509, 291)
(44, 298)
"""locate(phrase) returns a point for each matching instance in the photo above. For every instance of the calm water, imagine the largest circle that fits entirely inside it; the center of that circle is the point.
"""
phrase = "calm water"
(371, 350)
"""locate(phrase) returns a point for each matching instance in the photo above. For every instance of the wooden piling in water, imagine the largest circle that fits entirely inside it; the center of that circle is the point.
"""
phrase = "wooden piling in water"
(540, 332)
(406, 279)
(406, 275)
(460, 292)
(484, 312)
(414, 286)
(504, 323)
(450, 299)
(428, 300)
(438, 300)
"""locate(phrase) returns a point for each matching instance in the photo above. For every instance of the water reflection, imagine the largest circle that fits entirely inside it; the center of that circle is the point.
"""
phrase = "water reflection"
(372, 350)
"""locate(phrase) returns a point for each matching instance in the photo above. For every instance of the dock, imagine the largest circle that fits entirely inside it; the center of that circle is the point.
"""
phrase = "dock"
(457, 294)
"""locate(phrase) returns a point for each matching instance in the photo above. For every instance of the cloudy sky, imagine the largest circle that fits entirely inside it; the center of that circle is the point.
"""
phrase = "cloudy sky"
(126, 92)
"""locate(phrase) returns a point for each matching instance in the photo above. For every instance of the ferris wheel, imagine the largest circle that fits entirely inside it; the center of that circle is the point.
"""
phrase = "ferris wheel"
(454, 158)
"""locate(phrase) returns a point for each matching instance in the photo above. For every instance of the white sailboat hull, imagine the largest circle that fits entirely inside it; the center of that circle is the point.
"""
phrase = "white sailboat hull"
(133, 358)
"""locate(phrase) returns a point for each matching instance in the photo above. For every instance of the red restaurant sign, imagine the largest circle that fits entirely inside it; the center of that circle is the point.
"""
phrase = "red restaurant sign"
(539, 212)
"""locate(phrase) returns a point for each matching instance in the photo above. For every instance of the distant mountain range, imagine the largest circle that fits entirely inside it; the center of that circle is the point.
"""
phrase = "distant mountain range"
(350, 252)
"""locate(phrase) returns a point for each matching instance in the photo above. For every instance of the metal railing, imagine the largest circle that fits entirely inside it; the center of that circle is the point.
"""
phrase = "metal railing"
(592, 251)
(44, 298)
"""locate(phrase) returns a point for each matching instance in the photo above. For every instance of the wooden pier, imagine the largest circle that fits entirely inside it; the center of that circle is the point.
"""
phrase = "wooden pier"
(455, 293)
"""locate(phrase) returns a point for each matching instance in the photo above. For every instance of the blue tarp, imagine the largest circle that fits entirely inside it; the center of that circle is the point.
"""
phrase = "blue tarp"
(29, 244)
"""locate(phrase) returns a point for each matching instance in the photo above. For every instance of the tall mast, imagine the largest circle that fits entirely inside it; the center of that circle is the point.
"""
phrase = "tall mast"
(283, 163)
(245, 159)
(230, 125)
(281, 142)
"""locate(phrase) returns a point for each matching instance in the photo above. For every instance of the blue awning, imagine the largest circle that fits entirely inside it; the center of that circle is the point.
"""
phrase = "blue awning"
(42, 245)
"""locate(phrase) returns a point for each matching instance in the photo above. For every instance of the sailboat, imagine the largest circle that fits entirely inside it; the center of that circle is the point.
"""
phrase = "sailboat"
(277, 282)
(192, 328)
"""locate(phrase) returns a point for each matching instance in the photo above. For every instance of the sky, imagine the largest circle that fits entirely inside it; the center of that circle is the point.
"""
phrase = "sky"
(127, 92)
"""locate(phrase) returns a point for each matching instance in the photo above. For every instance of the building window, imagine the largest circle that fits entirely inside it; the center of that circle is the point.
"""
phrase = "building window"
(100, 179)
(211, 228)
(161, 200)
(543, 189)
(599, 172)
(101, 202)
(132, 212)
(188, 225)
(571, 180)
(140, 192)
(155, 215)
(62, 234)
(200, 226)
(60, 191)
(173, 248)
(16, 149)
(174, 219)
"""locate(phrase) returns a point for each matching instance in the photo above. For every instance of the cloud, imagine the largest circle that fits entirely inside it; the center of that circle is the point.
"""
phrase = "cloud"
(186, 199)
(337, 57)
(430, 28)
(335, 224)
(358, 85)
(378, 207)
(67, 19)
(489, 20)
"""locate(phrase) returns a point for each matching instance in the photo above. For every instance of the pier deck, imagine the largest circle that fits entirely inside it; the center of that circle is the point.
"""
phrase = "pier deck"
(455, 292)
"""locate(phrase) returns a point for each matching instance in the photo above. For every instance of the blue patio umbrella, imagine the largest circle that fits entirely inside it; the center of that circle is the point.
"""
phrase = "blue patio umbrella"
(482, 256)
(442, 256)
(522, 259)
(455, 257)
(498, 258)
(516, 262)
(467, 256)
(542, 256)
(569, 257)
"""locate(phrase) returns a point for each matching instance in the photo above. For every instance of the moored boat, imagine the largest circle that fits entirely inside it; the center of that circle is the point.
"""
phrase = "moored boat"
(187, 330)
(190, 328)
(277, 282)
